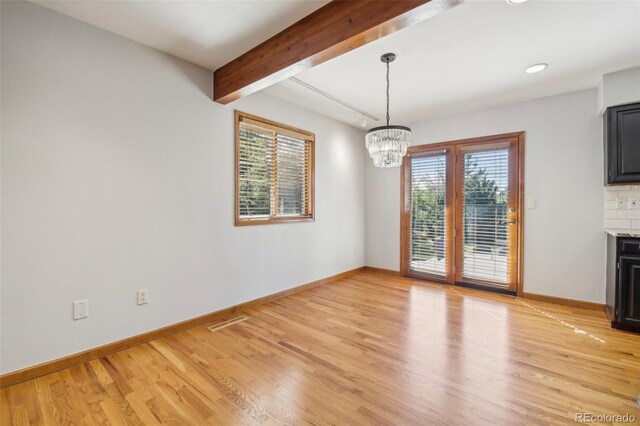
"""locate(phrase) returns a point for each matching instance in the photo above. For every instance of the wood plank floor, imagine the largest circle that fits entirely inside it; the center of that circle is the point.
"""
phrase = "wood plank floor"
(369, 349)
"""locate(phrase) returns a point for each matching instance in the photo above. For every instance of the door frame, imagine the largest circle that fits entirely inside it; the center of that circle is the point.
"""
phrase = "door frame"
(451, 148)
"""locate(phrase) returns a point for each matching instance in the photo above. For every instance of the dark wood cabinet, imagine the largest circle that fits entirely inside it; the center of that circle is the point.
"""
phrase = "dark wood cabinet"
(623, 282)
(629, 305)
(622, 144)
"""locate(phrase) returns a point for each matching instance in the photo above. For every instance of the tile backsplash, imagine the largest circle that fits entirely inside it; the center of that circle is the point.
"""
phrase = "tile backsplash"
(622, 207)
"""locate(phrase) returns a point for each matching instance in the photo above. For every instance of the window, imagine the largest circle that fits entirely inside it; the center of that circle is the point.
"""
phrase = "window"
(274, 172)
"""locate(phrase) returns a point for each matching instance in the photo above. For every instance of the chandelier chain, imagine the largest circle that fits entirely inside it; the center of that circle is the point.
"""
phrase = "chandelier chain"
(387, 92)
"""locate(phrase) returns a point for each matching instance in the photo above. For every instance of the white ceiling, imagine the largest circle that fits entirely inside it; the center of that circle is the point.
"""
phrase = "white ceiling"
(473, 56)
(208, 33)
(470, 57)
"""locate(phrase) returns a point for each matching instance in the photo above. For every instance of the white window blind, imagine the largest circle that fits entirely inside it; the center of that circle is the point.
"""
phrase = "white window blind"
(485, 225)
(428, 219)
(274, 172)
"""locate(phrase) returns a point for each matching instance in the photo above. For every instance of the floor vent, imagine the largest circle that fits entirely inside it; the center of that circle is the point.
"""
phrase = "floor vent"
(227, 323)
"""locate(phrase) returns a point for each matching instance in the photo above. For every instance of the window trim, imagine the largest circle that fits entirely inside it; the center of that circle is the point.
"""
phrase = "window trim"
(285, 129)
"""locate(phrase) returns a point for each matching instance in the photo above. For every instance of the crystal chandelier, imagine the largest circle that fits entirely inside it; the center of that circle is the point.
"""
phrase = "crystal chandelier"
(388, 144)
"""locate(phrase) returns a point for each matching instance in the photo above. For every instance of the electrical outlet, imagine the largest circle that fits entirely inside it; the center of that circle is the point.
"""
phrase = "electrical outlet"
(633, 204)
(622, 203)
(143, 296)
(80, 309)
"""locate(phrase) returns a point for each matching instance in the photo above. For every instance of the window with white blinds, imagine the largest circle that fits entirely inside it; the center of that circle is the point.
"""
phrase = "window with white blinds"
(274, 172)
(485, 216)
(428, 219)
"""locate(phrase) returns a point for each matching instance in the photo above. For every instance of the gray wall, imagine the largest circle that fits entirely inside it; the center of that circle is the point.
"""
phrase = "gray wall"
(564, 250)
(117, 175)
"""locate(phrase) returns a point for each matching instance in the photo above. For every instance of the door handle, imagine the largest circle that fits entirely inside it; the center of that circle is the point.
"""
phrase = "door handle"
(507, 222)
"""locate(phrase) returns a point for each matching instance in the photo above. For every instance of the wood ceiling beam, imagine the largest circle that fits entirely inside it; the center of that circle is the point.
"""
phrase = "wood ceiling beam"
(336, 28)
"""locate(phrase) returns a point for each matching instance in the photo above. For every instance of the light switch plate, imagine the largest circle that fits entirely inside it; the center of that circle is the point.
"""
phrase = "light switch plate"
(143, 296)
(531, 203)
(80, 309)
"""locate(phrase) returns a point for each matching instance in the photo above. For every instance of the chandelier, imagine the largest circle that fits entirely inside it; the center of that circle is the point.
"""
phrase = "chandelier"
(388, 144)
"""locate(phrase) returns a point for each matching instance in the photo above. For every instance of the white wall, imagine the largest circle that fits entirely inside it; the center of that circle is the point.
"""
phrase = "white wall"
(117, 174)
(564, 240)
(619, 88)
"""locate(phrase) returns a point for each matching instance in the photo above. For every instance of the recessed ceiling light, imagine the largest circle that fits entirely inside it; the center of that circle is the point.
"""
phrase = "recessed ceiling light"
(536, 68)
(512, 2)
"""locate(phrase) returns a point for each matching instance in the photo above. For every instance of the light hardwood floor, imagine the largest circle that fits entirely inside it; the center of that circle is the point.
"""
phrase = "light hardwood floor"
(369, 349)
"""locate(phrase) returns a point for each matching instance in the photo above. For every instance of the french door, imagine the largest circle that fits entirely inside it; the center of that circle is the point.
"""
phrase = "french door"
(461, 212)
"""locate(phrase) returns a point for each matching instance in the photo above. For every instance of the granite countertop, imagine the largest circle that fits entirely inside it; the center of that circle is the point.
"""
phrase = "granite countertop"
(623, 232)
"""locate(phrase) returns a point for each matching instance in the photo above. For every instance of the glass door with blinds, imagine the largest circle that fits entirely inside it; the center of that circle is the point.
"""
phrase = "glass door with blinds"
(461, 212)
(487, 214)
(429, 211)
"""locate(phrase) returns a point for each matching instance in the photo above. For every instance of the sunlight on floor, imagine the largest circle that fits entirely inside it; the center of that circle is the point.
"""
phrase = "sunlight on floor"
(566, 324)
